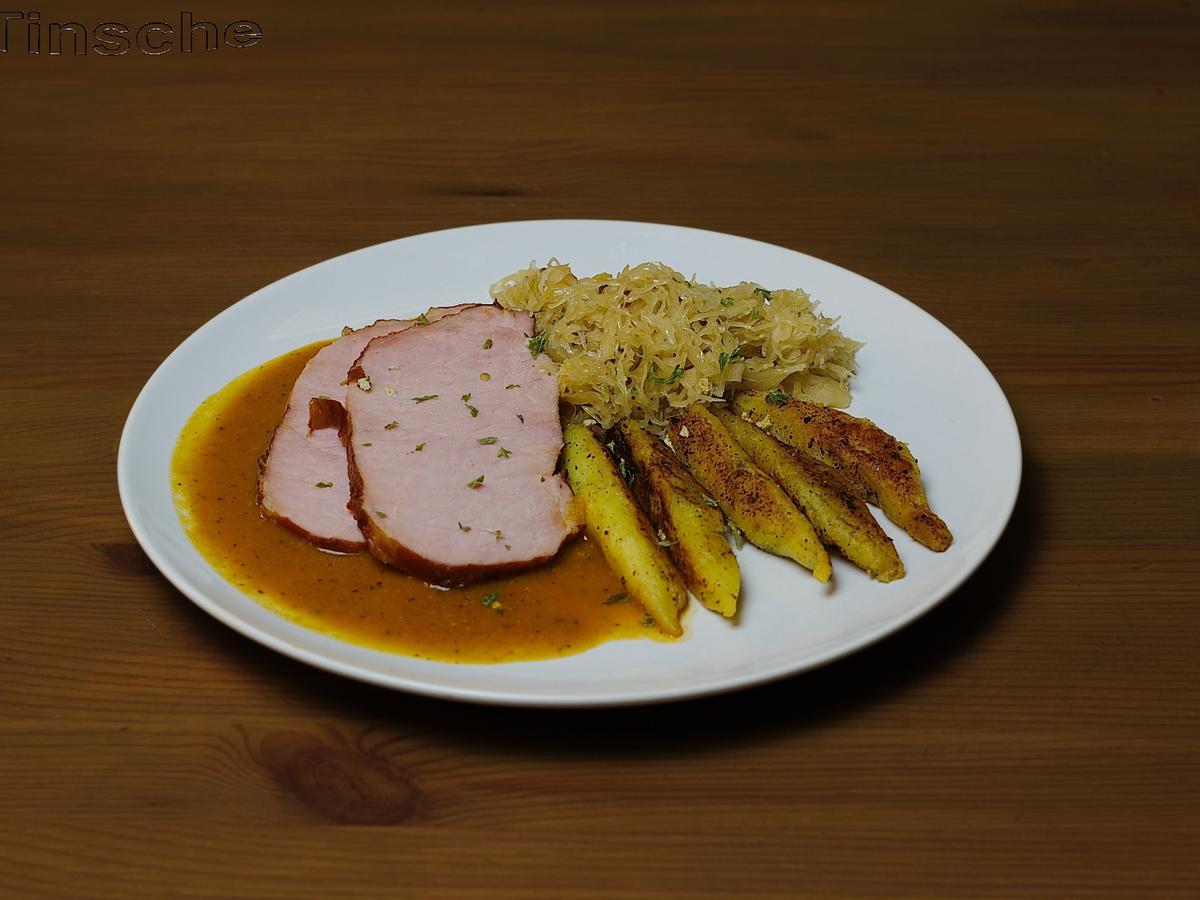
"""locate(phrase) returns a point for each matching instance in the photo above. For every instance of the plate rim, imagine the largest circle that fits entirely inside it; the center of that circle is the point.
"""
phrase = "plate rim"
(989, 536)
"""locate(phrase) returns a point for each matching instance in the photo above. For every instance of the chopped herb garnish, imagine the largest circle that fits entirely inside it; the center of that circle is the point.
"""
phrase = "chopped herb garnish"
(537, 343)
(485, 440)
(739, 539)
(368, 444)
(463, 528)
(509, 387)
(616, 598)
(711, 502)
(521, 417)
(675, 375)
(391, 426)
(777, 397)
(727, 301)
(499, 535)
(324, 484)
(424, 398)
(648, 621)
(624, 469)
(465, 397)
(389, 390)
(503, 453)
(381, 515)
(475, 483)
(728, 359)
(474, 411)
(763, 292)
(419, 447)
(489, 599)
(665, 543)
(422, 319)
(484, 376)
(487, 345)
(364, 383)
(756, 314)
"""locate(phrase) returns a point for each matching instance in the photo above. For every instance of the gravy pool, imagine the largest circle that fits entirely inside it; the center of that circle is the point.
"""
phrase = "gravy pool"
(561, 608)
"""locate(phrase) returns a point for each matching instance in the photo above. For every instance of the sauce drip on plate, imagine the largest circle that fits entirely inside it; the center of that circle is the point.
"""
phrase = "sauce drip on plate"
(558, 609)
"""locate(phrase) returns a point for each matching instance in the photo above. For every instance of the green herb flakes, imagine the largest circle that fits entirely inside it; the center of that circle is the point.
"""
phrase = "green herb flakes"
(487, 345)
(424, 398)
(391, 426)
(777, 397)
(324, 484)
(537, 344)
(739, 539)
(485, 440)
(475, 483)
(675, 375)
(622, 597)
(503, 453)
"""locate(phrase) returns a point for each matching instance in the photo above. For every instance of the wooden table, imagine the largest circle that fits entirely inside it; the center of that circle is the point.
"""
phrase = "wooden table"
(1028, 176)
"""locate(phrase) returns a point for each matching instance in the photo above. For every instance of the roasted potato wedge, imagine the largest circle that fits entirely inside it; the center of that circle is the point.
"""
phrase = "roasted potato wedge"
(880, 467)
(616, 524)
(748, 496)
(682, 514)
(838, 514)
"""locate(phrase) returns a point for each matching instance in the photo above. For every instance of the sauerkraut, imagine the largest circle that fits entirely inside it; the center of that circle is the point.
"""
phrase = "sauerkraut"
(647, 342)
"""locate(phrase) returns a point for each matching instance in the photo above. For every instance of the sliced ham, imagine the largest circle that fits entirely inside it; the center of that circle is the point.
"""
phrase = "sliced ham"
(454, 435)
(303, 483)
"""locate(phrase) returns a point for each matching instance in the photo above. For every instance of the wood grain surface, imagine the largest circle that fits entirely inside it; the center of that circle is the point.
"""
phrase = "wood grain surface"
(1026, 172)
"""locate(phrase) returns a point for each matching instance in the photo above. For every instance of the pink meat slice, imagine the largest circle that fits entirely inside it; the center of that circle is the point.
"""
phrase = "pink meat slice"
(303, 482)
(454, 437)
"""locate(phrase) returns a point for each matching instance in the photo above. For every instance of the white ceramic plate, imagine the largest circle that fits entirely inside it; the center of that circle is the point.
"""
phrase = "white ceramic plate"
(915, 378)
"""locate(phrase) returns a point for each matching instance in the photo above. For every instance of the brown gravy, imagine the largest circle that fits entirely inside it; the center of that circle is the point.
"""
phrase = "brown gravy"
(555, 610)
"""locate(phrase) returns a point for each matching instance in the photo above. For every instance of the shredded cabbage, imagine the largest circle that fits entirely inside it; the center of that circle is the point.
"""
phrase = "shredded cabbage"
(648, 342)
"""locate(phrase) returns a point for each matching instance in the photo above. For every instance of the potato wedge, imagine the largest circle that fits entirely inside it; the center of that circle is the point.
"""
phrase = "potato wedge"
(880, 467)
(748, 496)
(838, 514)
(616, 524)
(682, 515)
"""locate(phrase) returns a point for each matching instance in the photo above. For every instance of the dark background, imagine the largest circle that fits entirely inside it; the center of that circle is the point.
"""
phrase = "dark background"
(1026, 172)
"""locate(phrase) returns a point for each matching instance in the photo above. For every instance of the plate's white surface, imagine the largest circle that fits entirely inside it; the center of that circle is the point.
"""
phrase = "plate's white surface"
(915, 379)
